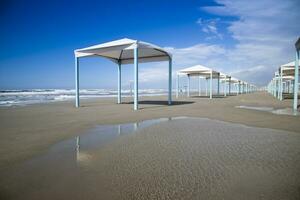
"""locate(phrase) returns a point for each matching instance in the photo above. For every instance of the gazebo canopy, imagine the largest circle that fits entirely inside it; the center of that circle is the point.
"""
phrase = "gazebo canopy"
(121, 51)
(230, 79)
(288, 69)
(198, 70)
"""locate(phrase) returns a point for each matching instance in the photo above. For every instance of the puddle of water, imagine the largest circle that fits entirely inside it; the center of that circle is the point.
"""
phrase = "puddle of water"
(67, 158)
(262, 108)
(81, 148)
(104, 134)
(284, 111)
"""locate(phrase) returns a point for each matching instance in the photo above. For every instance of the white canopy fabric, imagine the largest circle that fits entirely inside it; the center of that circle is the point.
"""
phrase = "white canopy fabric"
(121, 51)
(230, 79)
(288, 69)
(197, 69)
(125, 51)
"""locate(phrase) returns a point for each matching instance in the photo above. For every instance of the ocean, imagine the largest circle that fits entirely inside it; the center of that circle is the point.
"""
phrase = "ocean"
(33, 96)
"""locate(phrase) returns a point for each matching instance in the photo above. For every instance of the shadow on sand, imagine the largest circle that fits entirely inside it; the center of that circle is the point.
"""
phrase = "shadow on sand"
(162, 103)
(207, 97)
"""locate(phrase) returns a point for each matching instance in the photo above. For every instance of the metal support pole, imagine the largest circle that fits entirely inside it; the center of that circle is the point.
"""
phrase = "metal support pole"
(170, 82)
(199, 87)
(210, 94)
(225, 88)
(77, 81)
(206, 88)
(229, 86)
(177, 88)
(119, 82)
(219, 84)
(136, 78)
(189, 80)
(281, 86)
(296, 81)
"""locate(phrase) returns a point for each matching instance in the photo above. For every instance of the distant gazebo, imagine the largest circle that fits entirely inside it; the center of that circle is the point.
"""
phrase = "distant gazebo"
(125, 51)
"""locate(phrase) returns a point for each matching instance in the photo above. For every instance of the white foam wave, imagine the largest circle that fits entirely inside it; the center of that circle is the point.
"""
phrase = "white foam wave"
(33, 96)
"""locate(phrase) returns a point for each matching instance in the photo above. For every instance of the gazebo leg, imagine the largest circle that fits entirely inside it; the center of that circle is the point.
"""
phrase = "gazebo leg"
(189, 80)
(229, 87)
(177, 88)
(199, 87)
(119, 83)
(77, 104)
(170, 82)
(206, 88)
(296, 84)
(210, 94)
(136, 78)
(219, 84)
(225, 88)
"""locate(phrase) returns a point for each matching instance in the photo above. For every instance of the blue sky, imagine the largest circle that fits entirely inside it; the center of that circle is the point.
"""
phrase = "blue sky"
(247, 39)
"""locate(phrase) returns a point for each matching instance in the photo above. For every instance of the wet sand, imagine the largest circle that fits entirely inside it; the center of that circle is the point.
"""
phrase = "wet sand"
(188, 158)
(28, 132)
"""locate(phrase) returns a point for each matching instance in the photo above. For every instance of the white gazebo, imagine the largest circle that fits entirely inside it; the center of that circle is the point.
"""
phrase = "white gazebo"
(231, 81)
(125, 51)
(201, 72)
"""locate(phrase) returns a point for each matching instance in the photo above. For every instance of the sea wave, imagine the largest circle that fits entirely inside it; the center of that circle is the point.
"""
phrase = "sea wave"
(34, 96)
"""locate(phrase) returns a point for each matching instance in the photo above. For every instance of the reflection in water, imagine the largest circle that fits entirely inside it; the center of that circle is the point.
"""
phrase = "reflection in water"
(261, 108)
(284, 111)
(104, 134)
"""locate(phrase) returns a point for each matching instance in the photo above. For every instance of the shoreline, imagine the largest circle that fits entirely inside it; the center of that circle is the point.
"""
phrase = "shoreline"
(30, 130)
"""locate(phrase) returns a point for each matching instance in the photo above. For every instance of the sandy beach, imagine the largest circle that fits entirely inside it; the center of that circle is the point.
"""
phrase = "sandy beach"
(219, 151)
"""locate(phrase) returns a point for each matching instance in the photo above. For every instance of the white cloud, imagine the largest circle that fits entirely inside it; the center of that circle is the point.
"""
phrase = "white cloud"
(196, 54)
(264, 33)
(210, 27)
(155, 73)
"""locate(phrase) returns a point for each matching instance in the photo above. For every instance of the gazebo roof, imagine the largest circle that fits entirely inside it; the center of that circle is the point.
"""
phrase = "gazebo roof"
(288, 69)
(196, 70)
(121, 51)
(199, 70)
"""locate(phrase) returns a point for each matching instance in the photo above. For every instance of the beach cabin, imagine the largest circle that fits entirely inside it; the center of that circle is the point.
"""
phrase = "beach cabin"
(122, 52)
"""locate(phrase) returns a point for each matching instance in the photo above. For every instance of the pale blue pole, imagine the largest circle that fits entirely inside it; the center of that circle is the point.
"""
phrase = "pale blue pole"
(229, 86)
(225, 88)
(177, 89)
(77, 81)
(136, 78)
(281, 86)
(170, 82)
(296, 80)
(219, 84)
(239, 87)
(119, 82)
(210, 93)
(199, 87)
(188, 93)
(206, 88)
